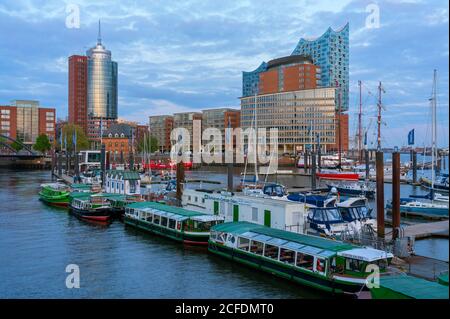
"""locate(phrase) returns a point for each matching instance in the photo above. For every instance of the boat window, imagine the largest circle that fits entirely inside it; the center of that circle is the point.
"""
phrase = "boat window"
(243, 243)
(144, 216)
(172, 223)
(287, 256)
(256, 247)
(156, 219)
(164, 221)
(333, 215)
(221, 237)
(149, 217)
(319, 216)
(320, 265)
(346, 214)
(271, 251)
(305, 261)
(203, 226)
(255, 214)
(354, 265)
(364, 211)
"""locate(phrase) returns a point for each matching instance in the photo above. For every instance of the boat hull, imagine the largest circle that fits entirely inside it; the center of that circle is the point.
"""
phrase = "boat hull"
(338, 176)
(186, 238)
(60, 201)
(420, 211)
(354, 192)
(99, 215)
(286, 271)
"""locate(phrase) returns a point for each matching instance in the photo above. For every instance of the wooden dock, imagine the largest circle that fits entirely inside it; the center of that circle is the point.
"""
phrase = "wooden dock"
(425, 230)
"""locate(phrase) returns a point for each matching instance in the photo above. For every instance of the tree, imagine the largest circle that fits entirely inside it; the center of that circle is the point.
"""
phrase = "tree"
(42, 144)
(148, 144)
(67, 134)
(17, 146)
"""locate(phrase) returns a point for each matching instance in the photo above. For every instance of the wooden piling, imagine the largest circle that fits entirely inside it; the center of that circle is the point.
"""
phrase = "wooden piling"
(103, 163)
(380, 194)
(367, 162)
(313, 171)
(395, 195)
(180, 180)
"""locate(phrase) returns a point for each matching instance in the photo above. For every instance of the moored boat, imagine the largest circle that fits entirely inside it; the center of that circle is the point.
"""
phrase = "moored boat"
(321, 263)
(187, 226)
(337, 175)
(409, 206)
(88, 206)
(354, 188)
(55, 194)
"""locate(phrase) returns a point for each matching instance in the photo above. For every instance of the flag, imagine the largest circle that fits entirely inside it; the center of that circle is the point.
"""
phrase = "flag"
(74, 139)
(411, 137)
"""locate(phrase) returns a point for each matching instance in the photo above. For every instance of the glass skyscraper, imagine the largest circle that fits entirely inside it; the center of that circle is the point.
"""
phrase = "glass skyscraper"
(330, 52)
(101, 83)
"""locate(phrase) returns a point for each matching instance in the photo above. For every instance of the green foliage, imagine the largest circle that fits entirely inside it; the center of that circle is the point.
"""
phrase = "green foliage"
(15, 145)
(42, 144)
(82, 141)
(148, 144)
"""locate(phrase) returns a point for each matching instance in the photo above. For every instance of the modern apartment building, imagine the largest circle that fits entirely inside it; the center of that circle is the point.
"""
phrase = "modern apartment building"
(25, 120)
(186, 120)
(300, 116)
(221, 118)
(160, 127)
(78, 90)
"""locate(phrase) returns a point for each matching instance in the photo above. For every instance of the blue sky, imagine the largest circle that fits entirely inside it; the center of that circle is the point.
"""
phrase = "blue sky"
(175, 56)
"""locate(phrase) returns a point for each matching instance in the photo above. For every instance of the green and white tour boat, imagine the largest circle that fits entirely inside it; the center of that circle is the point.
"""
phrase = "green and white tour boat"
(91, 206)
(55, 194)
(325, 264)
(187, 226)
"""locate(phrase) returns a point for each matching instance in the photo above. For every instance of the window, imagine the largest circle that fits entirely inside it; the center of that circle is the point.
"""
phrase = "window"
(172, 223)
(164, 221)
(271, 251)
(305, 261)
(255, 214)
(149, 217)
(287, 256)
(243, 243)
(353, 265)
(256, 247)
(320, 265)
(156, 219)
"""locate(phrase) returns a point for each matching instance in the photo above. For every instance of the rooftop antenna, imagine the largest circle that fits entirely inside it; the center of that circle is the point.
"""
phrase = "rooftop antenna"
(99, 37)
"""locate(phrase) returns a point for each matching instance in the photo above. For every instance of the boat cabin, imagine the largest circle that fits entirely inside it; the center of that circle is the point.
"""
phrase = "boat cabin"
(298, 257)
(123, 182)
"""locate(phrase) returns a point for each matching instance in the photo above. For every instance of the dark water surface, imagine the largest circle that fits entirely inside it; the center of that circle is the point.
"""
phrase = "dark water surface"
(37, 242)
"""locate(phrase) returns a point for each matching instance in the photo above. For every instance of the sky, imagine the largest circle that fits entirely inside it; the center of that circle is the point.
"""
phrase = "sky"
(176, 56)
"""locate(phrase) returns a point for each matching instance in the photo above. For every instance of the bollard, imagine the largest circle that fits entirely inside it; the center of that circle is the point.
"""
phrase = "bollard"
(103, 162)
(180, 180)
(380, 194)
(367, 162)
(414, 167)
(313, 171)
(395, 195)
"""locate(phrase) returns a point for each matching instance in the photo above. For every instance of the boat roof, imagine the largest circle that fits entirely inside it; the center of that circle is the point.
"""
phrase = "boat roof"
(366, 254)
(126, 175)
(165, 208)
(80, 186)
(414, 287)
(240, 228)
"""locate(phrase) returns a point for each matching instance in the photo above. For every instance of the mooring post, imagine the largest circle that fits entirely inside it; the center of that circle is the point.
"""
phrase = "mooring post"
(414, 167)
(313, 171)
(103, 162)
(395, 195)
(180, 180)
(305, 162)
(367, 162)
(380, 194)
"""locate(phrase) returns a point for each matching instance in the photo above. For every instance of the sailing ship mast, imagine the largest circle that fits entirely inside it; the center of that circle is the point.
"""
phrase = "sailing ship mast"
(256, 144)
(380, 90)
(433, 130)
(360, 122)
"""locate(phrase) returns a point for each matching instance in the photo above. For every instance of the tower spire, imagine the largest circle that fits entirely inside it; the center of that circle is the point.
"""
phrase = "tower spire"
(99, 37)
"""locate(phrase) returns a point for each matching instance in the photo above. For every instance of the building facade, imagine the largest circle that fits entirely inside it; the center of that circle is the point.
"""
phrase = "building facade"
(25, 120)
(160, 127)
(117, 140)
(221, 118)
(300, 116)
(78, 91)
(329, 52)
(93, 91)
(186, 120)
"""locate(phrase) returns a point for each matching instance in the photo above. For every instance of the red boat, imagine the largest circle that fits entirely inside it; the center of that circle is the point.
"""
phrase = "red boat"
(162, 166)
(336, 175)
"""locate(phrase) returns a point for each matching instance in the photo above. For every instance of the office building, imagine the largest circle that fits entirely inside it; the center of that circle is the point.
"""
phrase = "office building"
(160, 127)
